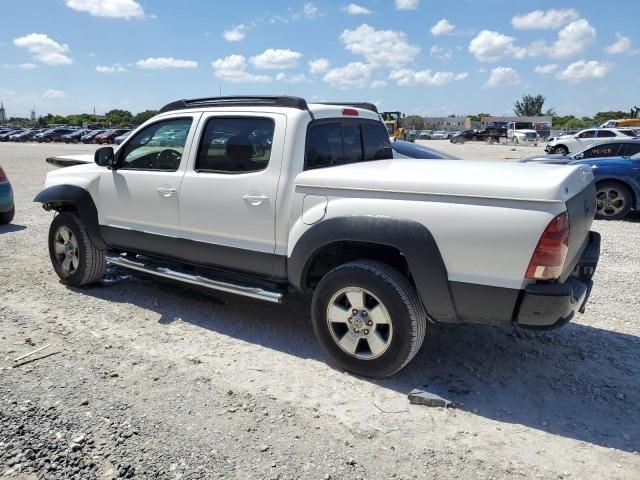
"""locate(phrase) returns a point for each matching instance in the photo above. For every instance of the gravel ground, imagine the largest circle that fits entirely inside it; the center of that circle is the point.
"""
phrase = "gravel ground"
(149, 379)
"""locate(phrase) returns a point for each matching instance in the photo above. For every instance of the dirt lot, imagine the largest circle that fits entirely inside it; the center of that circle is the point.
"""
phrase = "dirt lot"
(148, 379)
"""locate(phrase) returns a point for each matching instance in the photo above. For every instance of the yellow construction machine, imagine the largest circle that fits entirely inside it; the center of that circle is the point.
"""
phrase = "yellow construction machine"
(633, 121)
(393, 121)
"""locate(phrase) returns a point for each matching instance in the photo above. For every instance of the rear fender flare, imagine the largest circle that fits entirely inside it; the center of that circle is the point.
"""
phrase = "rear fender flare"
(412, 239)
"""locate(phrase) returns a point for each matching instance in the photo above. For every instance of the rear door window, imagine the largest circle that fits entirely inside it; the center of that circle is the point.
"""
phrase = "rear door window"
(235, 145)
(606, 133)
(632, 149)
(342, 142)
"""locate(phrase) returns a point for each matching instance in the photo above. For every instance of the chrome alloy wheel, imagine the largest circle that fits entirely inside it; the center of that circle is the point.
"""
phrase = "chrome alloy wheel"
(66, 250)
(359, 323)
(610, 202)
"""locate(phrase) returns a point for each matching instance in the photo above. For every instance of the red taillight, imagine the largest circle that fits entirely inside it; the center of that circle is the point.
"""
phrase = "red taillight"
(350, 112)
(550, 254)
(3, 176)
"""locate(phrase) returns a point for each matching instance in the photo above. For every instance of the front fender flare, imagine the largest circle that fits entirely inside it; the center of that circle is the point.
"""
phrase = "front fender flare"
(411, 238)
(60, 197)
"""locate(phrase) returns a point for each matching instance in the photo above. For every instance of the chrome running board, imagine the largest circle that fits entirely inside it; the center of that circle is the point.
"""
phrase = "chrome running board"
(153, 269)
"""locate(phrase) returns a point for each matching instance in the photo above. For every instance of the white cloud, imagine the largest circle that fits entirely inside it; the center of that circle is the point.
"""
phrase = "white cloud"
(409, 77)
(45, 49)
(27, 66)
(297, 78)
(378, 84)
(310, 10)
(161, 63)
(117, 68)
(235, 34)
(443, 27)
(276, 58)
(502, 77)
(539, 20)
(355, 74)
(354, 9)
(406, 4)
(108, 8)
(319, 65)
(490, 46)
(54, 94)
(572, 40)
(233, 69)
(622, 45)
(441, 53)
(583, 70)
(381, 48)
(546, 69)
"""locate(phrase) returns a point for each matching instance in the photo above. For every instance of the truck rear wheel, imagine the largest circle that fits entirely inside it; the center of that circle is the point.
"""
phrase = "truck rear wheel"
(368, 318)
(74, 257)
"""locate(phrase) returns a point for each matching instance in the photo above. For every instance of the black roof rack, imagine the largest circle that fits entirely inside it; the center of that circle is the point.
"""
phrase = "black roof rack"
(282, 101)
(363, 105)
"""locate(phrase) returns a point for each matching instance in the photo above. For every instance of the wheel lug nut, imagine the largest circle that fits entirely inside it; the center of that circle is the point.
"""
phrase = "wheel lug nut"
(364, 313)
(349, 320)
(366, 332)
(355, 330)
(354, 311)
(369, 323)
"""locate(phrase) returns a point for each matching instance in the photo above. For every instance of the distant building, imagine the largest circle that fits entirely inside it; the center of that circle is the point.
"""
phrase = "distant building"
(447, 123)
(3, 114)
(33, 115)
(542, 120)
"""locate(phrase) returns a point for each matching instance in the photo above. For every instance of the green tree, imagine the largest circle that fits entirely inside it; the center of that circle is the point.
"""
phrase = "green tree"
(414, 121)
(118, 118)
(529, 106)
(478, 116)
(142, 117)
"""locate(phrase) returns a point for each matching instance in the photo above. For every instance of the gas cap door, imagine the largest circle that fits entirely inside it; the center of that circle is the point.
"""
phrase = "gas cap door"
(314, 208)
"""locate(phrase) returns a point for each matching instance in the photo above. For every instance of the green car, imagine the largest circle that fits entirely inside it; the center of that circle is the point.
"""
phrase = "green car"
(7, 208)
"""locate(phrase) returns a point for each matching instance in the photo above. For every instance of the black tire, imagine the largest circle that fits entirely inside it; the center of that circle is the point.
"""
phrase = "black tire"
(399, 298)
(620, 207)
(560, 150)
(7, 217)
(91, 260)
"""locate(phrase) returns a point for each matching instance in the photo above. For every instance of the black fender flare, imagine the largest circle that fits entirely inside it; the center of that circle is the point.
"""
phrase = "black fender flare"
(60, 196)
(411, 238)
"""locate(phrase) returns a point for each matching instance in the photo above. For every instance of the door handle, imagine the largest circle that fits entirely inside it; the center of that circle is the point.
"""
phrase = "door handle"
(255, 200)
(166, 191)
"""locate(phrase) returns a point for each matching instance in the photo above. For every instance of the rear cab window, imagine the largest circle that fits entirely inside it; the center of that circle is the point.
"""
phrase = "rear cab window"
(334, 142)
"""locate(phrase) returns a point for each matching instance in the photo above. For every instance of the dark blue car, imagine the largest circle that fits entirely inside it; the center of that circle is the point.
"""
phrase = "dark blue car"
(7, 208)
(617, 182)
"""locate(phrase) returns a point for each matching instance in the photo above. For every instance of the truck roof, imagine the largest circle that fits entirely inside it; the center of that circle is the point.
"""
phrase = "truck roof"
(250, 103)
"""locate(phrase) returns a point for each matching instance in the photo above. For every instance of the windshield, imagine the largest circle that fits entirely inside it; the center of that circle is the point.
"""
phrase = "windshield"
(523, 126)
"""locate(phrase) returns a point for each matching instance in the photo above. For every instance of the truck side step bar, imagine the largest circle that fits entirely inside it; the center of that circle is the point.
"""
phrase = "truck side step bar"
(154, 268)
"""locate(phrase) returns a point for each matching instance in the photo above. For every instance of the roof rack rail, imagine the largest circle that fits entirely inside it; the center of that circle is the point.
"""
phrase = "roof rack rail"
(363, 105)
(243, 101)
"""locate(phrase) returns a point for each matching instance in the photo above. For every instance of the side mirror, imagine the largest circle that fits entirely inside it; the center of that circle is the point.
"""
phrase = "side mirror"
(579, 156)
(104, 157)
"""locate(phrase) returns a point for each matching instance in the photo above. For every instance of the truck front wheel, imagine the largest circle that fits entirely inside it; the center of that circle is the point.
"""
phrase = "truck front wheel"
(74, 257)
(368, 318)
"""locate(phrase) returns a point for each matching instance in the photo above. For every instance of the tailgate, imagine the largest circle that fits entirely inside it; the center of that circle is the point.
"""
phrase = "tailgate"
(581, 209)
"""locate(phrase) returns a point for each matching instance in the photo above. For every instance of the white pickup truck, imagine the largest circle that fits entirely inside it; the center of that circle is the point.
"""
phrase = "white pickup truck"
(261, 196)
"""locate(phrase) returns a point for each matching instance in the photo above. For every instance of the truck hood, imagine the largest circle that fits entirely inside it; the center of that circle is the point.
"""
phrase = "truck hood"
(70, 160)
(525, 130)
(444, 178)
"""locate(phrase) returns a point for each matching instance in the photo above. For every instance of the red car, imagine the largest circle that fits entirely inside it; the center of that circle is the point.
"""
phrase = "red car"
(110, 135)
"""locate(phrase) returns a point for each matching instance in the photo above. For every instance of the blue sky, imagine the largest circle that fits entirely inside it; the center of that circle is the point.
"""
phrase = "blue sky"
(417, 56)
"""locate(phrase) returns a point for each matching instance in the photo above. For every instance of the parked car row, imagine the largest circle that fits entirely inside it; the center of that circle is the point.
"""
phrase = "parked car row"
(63, 134)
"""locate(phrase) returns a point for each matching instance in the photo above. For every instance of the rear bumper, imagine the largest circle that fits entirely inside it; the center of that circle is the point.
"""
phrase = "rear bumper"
(551, 305)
